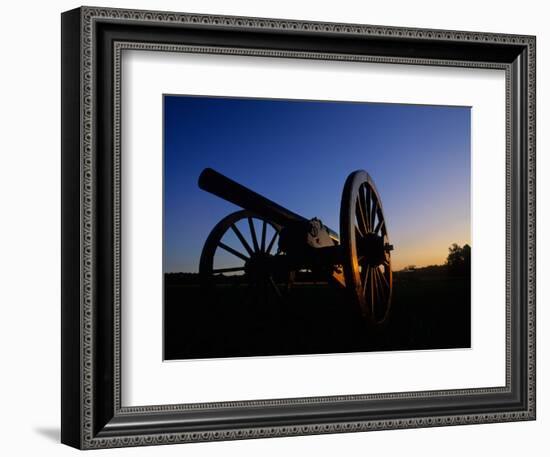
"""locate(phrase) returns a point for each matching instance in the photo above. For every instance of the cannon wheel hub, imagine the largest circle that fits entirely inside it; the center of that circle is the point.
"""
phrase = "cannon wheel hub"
(371, 250)
(258, 267)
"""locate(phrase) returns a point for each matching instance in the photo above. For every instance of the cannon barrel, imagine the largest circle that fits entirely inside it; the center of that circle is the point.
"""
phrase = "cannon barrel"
(216, 183)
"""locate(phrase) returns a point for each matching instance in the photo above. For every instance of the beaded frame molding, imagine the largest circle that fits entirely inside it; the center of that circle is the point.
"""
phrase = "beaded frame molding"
(92, 42)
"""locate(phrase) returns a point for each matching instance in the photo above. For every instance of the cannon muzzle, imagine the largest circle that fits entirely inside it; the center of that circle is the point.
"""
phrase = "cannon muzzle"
(216, 183)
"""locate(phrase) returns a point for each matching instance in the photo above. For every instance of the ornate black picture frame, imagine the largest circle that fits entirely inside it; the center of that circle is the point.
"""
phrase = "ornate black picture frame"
(92, 414)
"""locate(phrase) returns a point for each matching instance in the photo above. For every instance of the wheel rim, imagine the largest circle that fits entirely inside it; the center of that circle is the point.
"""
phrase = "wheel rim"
(366, 248)
(240, 246)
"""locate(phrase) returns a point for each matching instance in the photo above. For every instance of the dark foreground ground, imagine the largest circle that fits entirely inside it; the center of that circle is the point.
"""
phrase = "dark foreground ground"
(430, 312)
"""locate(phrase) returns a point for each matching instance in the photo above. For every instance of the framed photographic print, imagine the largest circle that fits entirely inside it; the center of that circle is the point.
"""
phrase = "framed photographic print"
(275, 228)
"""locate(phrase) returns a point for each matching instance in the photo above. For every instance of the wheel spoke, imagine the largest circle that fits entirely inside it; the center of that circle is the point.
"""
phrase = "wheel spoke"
(365, 278)
(360, 213)
(379, 224)
(253, 234)
(366, 198)
(270, 245)
(227, 270)
(374, 210)
(380, 295)
(264, 228)
(359, 233)
(275, 287)
(375, 289)
(232, 251)
(383, 278)
(372, 291)
(242, 239)
(366, 202)
(380, 288)
(385, 290)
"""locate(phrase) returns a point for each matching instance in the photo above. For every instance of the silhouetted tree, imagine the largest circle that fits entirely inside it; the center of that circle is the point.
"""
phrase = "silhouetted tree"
(459, 260)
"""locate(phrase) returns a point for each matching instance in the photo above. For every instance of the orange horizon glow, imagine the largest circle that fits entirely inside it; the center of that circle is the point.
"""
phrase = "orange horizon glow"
(426, 252)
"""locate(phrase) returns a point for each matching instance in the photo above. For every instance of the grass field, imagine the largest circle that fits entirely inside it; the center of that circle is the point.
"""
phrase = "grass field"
(428, 312)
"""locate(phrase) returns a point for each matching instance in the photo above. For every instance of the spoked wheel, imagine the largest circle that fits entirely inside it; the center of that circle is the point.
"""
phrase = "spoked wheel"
(366, 248)
(239, 254)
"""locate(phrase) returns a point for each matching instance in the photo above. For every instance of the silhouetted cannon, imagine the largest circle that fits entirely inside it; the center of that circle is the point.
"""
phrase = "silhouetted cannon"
(358, 260)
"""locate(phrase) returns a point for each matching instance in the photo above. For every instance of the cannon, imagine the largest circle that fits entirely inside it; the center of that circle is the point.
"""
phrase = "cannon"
(273, 243)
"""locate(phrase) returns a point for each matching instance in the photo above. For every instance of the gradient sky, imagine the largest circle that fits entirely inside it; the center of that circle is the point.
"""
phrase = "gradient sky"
(299, 153)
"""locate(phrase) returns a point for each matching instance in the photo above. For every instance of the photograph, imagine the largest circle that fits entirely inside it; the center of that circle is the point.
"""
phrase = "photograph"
(277, 227)
(294, 227)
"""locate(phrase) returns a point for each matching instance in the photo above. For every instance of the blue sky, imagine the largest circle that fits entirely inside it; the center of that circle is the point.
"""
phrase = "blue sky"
(299, 153)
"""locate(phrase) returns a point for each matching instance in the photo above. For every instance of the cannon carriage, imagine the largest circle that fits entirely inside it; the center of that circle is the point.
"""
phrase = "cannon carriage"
(281, 243)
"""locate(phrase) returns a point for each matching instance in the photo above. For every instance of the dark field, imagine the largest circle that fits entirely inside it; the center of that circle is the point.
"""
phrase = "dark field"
(428, 312)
